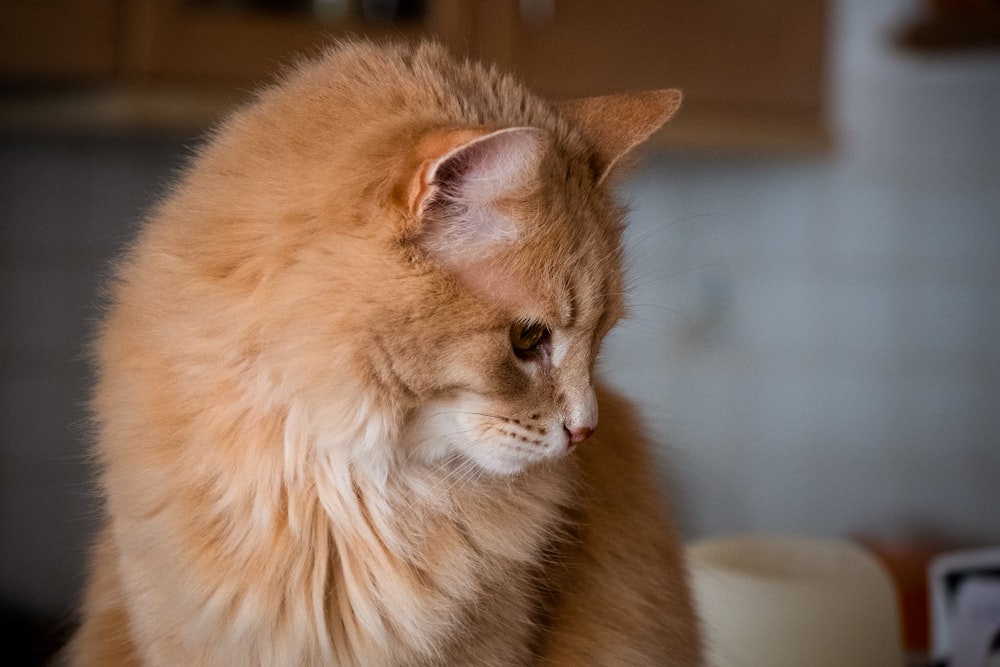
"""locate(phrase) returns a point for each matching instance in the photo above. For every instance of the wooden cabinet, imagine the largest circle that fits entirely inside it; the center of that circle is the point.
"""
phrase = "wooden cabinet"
(752, 70)
(194, 41)
(58, 39)
(177, 39)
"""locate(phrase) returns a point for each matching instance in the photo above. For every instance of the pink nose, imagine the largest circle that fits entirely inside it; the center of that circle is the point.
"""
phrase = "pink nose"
(578, 434)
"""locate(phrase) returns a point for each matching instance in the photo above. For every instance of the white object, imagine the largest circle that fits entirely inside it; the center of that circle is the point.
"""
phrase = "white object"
(976, 631)
(949, 574)
(786, 601)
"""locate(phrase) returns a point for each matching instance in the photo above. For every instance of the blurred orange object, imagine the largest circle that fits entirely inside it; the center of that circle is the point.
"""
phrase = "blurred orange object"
(907, 564)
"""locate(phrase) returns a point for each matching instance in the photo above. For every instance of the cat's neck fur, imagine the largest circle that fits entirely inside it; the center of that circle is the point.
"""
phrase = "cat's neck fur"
(393, 562)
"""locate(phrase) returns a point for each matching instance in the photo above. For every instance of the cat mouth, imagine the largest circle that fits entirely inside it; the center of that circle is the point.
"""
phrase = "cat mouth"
(499, 444)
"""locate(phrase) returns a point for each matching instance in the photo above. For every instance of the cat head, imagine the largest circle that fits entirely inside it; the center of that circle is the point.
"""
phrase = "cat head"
(527, 240)
(425, 256)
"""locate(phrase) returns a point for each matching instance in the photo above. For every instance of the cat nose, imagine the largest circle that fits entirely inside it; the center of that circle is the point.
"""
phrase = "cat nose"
(578, 434)
(581, 421)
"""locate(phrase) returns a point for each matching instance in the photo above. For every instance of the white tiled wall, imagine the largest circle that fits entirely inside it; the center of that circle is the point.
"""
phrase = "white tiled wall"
(819, 346)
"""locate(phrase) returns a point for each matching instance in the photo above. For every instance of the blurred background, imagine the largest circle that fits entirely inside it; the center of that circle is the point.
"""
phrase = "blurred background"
(814, 245)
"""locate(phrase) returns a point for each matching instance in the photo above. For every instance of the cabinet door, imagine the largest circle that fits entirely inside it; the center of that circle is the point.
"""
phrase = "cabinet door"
(751, 70)
(191, 41)
(57, 39)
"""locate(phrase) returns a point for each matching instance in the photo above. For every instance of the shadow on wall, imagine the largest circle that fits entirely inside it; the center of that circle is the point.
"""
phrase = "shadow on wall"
(67, 205)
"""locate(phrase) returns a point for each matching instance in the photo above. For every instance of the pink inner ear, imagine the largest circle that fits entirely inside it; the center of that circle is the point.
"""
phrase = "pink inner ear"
(489, 165)
(458, 194)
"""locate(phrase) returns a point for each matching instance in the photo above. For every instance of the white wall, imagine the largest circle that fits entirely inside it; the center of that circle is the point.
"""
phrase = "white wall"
(815, 341)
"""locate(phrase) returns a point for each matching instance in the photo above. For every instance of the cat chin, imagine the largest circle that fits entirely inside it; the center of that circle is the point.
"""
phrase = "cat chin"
(459, 464)
(501, 467)
(470, 459)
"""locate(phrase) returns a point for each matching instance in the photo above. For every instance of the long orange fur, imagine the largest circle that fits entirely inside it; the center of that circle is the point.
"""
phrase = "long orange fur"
(316, 445)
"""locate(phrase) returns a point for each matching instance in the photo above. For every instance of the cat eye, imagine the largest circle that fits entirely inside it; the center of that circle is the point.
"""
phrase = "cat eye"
(527, 337)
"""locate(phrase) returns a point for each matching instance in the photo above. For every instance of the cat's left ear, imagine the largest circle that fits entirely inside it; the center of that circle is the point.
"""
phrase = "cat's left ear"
(615, 124)
(456, 193)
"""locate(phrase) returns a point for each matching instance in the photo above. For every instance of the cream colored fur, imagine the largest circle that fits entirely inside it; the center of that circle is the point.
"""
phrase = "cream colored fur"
(316, 444)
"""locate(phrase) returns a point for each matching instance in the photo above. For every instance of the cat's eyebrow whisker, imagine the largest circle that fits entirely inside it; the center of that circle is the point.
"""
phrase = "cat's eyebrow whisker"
(635, 282)
(612, 252)
(666, 309)
(640, 238)
(645, 326)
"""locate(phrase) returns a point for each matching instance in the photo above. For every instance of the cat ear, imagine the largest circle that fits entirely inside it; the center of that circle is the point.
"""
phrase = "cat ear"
(454, 196)
(615, 124)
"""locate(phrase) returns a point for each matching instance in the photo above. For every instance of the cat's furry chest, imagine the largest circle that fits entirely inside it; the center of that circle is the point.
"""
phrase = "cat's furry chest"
(282, 552)
(419, 569)
(446, 566)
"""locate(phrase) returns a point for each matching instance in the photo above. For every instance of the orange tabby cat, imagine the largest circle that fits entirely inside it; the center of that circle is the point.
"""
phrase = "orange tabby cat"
(344, 381)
